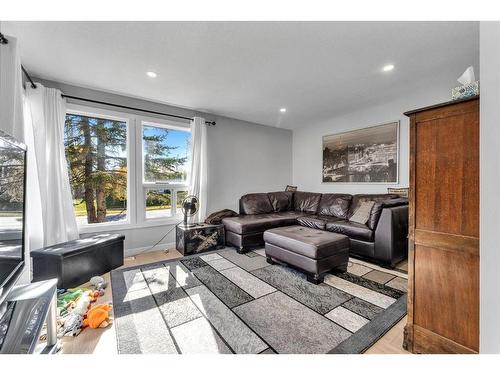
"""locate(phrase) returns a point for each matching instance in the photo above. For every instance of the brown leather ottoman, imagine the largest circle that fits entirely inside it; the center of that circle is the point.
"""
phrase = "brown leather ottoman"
(311, 250)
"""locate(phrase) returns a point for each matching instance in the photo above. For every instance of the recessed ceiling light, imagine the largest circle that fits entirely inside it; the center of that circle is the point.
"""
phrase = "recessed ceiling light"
(151, 74)
(388, 68)
(282, 110)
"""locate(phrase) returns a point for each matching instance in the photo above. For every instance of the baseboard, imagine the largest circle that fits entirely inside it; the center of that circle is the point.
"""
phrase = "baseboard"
(147, 249)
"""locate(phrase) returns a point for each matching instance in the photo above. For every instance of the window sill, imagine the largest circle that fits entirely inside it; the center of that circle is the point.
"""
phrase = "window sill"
(97, 228)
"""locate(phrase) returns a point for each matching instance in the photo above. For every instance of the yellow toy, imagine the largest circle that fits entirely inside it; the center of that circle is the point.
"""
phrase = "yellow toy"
(98, 316)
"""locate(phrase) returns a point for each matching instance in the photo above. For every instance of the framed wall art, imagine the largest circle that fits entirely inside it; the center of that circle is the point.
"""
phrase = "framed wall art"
(368, 155)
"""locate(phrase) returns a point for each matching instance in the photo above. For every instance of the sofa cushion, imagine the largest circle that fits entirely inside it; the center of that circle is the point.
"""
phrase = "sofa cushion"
(311, 243)
(289, 214)
(358, 198)
(281, 200)
(316, 221)
(362, 214)
(311, 222)
(245, 224)
(255, 204)
(306, 202)
(353, 230)
(335, 205)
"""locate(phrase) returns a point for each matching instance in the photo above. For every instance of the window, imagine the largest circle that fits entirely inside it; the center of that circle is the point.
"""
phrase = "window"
(96, 152)
(125, 170)
(165, 154)
(165, 161)
(158, 203)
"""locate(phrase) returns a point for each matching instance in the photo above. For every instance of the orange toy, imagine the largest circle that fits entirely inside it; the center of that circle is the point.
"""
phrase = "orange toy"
(98, 316)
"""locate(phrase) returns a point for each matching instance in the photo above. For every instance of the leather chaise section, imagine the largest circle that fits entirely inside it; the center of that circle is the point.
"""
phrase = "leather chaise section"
(244, 224)
(247, 241)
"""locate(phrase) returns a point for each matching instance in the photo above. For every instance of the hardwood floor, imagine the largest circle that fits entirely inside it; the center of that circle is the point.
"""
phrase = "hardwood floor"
(403, 265)
(103, 340)
(391, 342)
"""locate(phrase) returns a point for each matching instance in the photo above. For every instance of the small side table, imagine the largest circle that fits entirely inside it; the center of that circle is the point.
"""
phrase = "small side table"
(199, 238)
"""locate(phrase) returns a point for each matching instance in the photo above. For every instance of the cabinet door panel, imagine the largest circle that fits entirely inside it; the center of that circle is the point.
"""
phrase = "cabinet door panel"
(447, 172)
(447, 294)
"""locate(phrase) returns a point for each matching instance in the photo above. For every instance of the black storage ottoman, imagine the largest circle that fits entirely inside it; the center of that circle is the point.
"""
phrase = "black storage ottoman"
(73, 263)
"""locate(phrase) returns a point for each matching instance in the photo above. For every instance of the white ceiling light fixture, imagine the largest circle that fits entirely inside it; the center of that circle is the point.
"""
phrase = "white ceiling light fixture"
(388, 68)
(151, 74)
(282, 110)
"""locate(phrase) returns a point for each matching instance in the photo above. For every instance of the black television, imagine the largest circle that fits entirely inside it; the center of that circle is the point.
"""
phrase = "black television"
(12, 212)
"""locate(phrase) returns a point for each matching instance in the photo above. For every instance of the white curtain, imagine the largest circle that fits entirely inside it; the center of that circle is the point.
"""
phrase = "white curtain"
(11, 90)
(198, 176)
(11, 121)
(47, 110)
(34, 219)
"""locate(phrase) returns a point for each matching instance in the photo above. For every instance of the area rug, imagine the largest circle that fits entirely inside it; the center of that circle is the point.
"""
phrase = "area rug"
(225, 302)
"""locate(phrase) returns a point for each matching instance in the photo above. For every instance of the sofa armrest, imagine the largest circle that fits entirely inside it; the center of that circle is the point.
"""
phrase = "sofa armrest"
(394, 202)
(391, 235)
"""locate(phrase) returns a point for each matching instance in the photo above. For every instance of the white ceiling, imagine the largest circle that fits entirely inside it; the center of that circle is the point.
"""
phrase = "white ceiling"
(249, 70)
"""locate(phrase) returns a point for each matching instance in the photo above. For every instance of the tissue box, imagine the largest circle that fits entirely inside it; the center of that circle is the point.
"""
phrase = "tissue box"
(462, 92)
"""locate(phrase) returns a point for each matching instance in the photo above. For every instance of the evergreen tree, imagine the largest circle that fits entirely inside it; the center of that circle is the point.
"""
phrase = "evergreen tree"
(96, 155)
(159, 164)
(95, 150)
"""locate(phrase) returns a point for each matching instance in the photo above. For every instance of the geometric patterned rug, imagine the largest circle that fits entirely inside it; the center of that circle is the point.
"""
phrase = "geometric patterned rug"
(225, 302)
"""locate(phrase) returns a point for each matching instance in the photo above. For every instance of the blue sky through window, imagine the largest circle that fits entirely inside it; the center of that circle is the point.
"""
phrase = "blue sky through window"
(178, 139)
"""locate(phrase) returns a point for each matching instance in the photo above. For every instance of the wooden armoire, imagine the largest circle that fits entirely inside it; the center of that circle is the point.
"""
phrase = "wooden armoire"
(443, 259)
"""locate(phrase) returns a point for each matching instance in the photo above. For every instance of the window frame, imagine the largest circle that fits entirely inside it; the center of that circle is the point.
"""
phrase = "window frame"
(143, 186)
(136, 186)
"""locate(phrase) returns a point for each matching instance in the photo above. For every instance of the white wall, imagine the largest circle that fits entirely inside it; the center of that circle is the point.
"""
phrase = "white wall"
(246, 158)
(489, 183)
(307, 140)
(243, 157)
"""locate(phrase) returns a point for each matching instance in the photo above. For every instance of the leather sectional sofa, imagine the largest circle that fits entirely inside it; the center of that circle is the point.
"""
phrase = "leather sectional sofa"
(382, 239)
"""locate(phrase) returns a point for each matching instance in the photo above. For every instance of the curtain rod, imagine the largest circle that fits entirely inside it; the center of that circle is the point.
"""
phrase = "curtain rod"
(33, 86)
(4, 40)
(209, 123)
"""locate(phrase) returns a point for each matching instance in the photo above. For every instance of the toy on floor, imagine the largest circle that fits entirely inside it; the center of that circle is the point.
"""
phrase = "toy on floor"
(98, 282)
(83, 303)
(71, 309)
(75, 311)
(72, 325)
(98, 316)
(67, 301)
(68, 297)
